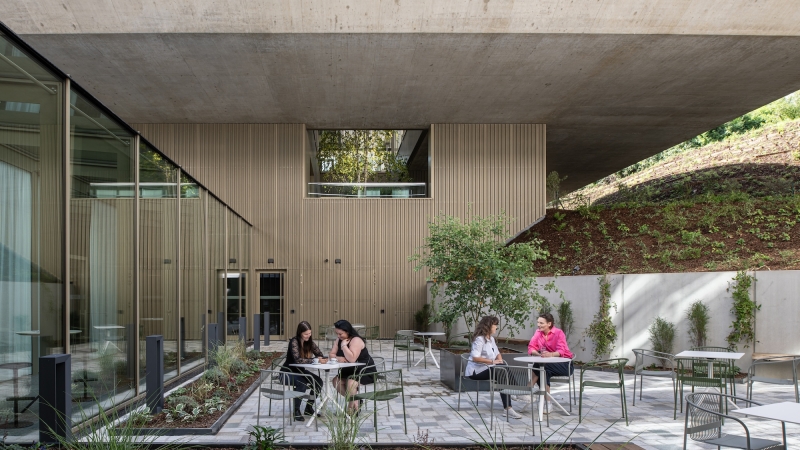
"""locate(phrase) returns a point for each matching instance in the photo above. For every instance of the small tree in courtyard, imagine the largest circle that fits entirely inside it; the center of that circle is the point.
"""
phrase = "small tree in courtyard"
(476, 273)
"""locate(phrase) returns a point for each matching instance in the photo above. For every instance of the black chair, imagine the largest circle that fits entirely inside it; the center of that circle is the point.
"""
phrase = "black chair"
(705, 419)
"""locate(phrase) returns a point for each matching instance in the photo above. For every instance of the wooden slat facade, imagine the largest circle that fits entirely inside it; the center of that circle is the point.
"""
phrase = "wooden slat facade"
(260, 170)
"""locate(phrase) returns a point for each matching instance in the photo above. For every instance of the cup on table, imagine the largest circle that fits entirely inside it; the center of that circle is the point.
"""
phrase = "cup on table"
(314, 360)
(332, 360)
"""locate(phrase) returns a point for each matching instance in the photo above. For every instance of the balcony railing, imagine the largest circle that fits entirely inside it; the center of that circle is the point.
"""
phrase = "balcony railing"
(367, 190)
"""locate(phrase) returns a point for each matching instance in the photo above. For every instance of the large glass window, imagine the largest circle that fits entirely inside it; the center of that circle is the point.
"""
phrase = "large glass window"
(218, 260)
(102, 254)
(158, 256)
(193, 264)
(31, 232)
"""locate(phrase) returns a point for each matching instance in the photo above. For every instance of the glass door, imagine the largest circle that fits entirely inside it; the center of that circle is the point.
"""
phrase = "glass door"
(271, 300)
(235, 301)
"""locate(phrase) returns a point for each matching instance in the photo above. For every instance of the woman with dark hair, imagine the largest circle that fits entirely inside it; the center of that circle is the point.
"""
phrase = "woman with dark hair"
(302, 350)
(548, 342)
(485, 353)
(350, 347)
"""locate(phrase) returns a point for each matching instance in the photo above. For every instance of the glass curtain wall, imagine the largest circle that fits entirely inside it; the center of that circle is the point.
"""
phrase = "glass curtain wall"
(31, 223)
(218, 260)
(158, 256)
(102, 253)
(193, 318)
(236, 281)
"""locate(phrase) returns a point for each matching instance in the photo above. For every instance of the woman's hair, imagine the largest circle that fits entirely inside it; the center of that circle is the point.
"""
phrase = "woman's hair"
(548, 318)
(347, 328)
(484, 327)
(307, 347)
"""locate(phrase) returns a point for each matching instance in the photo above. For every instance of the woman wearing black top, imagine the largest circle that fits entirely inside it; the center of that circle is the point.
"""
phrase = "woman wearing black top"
(301, 351)
(351, 347)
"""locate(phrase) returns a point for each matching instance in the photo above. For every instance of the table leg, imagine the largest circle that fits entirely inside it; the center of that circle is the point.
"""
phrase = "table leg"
(430, 351)
(543, 379)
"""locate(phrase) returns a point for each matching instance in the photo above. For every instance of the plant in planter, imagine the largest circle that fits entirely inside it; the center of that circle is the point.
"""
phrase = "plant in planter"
(698, 318)
(475, 273)
(662, 335)
(566, 319)
(744, 311)
(602, 330)
(422, 318)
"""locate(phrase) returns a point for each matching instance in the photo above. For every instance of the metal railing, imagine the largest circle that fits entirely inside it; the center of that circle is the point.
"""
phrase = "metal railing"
(367, 190)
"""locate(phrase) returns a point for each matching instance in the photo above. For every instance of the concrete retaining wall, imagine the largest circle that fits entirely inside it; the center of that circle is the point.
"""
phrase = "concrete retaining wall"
(640, 298)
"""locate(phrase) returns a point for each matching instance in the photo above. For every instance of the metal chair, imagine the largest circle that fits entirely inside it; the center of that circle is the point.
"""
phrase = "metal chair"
(781, 359)
(684, 376)
(330, 335)
(705, 419)
(404, 341)
(721, 369)
(570, 381)
(513, 380)
(464, 361)
(373, 334)
(323, 333)
(388, 385)
(618, 364)
(666, 359)
(276, 385)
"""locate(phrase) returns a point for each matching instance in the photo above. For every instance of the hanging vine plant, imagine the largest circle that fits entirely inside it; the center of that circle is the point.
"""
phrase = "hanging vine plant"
(602, 330)
(744, 311)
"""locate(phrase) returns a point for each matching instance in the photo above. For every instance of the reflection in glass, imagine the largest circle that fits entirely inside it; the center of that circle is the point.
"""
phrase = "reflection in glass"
(101, 255)
(31, 238)
(270, 294)
(217, 284)
(193, 257)
(158, 257)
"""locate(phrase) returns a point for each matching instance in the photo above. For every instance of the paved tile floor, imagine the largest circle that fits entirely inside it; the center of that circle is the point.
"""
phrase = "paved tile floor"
(651, 424)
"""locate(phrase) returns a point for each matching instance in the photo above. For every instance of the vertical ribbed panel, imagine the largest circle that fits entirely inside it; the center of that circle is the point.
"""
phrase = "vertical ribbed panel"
(260, 171)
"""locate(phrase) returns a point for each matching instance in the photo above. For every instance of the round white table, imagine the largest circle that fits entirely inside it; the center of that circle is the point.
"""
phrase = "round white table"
(543, 377)
(429, 336)
(327, 392)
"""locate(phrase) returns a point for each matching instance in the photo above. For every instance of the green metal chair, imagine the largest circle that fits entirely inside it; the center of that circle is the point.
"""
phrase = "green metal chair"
(323, 333)
(705, 419)
(464, 361)
(275, 385)
(685, 376)
(667, 361)
(514, 380)
(388, 385)
(618, 365)
(373, 334)
(570, 381)
(404, 341)
(721, 369)
(780, 359)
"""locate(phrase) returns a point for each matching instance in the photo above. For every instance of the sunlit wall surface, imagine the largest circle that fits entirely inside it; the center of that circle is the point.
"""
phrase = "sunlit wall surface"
(31, 226)
(148, 250)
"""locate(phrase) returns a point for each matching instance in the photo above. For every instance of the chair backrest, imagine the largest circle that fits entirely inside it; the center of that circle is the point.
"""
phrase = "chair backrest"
(667, 360)
(704, 416)
(387, 386)
(274, 383)
(277, 362)
(373, 332)
(616, 364)
(380, 363)
(409, 333)
(687, 371)
(323, 330)
(709, 348)
(330, 333)
(513, 378)
(402, 339)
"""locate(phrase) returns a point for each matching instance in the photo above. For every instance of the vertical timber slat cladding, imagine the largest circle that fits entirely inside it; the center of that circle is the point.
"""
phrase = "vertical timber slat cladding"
(261, 170)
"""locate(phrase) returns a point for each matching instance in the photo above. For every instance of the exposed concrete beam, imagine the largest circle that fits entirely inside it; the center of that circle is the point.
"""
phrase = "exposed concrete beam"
(675, 17)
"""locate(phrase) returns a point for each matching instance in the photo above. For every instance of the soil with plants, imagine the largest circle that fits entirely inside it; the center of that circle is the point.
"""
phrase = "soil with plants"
(202, 402)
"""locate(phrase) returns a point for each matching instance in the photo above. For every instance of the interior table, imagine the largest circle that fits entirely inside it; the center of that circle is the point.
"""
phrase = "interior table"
(429, 351)
(15, 367)
(108, 329)
(785, 412)
(542, 376)
(327, 392)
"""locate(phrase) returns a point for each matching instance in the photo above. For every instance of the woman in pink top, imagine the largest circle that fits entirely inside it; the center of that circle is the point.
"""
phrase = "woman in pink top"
(549, 341)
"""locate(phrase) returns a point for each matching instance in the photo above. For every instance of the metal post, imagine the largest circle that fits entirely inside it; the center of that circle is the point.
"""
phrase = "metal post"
(243, 329)
(257, 332)
(155, 373)
(204, 337)
(131, 344)
(183, 337)
(55, 404)
(266, 329)
(221, 327)
(213, 340)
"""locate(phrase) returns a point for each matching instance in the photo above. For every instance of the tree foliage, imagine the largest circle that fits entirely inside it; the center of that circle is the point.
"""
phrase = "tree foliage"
(475, 273)
(359, 156)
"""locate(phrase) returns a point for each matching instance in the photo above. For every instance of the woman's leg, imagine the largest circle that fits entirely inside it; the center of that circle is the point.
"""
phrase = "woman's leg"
(300, 385)
(351, 391)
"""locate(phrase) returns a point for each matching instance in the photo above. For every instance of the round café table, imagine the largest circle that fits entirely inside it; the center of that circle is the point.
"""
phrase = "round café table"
(542, 376)
(429, 351)
(327, 392)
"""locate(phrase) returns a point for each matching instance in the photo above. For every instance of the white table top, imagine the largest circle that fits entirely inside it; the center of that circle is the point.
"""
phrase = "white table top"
(429, 333)
(542, 359)
(786, 411)
(327, 366)
(709, 355)
(37, 332)
(107, 327)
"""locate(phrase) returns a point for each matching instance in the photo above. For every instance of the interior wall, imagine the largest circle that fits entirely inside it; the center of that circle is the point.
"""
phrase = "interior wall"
(258, 169)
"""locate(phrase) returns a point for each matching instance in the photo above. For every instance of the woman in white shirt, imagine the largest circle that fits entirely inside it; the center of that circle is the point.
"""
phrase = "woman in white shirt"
(485, 355)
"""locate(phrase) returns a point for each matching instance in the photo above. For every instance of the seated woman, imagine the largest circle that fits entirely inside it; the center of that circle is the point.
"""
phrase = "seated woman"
(549, 341)
(302, 350)
(350, 347)
(485, 351)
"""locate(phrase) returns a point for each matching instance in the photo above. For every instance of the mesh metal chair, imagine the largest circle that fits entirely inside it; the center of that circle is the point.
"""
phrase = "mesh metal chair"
(570, 381)
(721, 369)
(667, 361)
(684, 376)
(323, 333)
(388, 386)
(618, 365)
(404, 341)
(513, 380)
(705, 419)
(464, 361)
(330, 335)
(373, 334)
(763, 362)
(277, 385)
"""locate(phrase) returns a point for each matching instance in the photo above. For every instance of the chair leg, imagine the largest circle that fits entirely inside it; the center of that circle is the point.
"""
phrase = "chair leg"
(258, 411)
(403, 398)
(458, 407)
(580, 405)
(625, 403)
(491, 407)
(634, 390)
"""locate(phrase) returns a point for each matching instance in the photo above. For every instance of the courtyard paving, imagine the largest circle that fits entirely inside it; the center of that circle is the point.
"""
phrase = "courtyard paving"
(427, 411)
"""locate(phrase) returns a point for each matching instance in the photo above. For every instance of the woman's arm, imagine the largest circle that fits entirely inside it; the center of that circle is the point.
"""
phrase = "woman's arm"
(534, 345)
(334, 349)
(562, 349)
(352, 348)
(294, 348)
(318, 353)
(477, 351)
